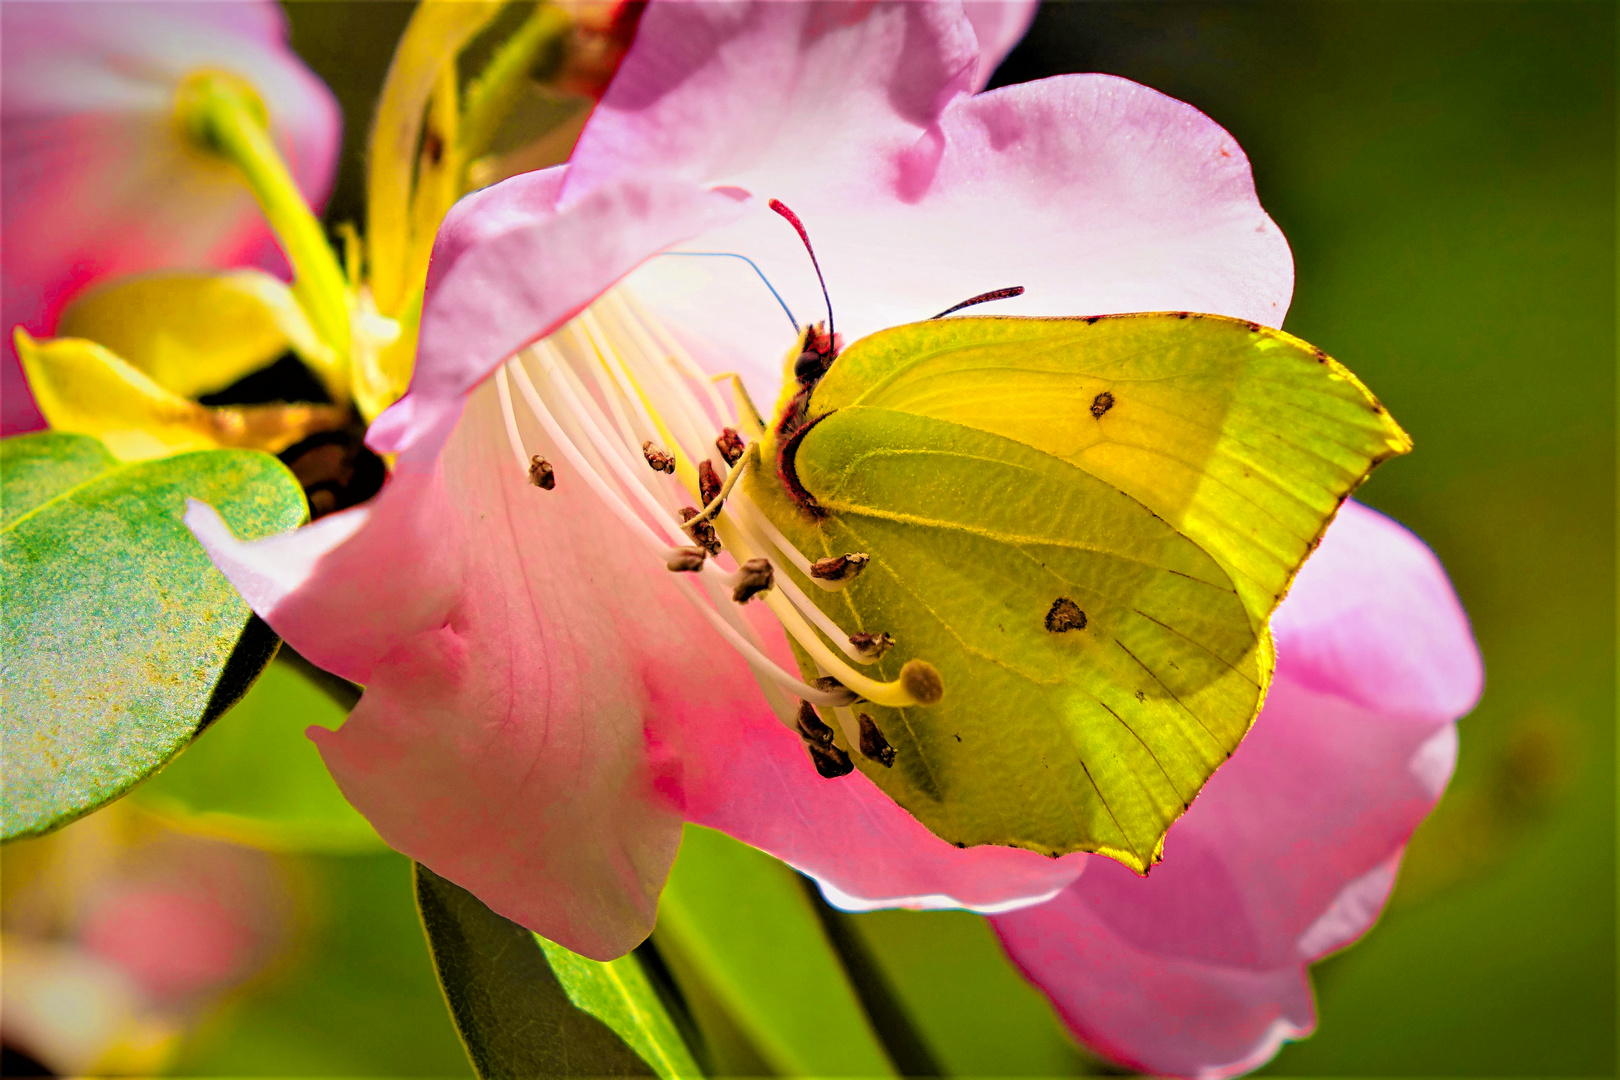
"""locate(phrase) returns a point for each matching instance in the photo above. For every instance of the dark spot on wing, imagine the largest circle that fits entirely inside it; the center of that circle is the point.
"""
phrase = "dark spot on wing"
(1065, 616)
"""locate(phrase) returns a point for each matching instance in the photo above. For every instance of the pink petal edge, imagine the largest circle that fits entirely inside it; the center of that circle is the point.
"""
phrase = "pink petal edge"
(1291, 850)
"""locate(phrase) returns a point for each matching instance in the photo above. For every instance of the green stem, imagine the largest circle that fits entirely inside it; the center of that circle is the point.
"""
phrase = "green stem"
(224, 116)
(537, 48)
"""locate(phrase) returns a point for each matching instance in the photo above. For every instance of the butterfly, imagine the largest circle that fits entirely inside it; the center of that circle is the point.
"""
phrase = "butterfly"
(1084, 526)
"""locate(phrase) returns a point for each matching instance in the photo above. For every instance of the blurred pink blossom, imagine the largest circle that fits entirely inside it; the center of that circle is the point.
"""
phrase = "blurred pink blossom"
(98, 180)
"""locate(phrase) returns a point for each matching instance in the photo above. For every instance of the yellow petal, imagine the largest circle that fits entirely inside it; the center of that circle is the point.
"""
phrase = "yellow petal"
(198, 333)
(384, 353)
(436, 34)
(82, 387)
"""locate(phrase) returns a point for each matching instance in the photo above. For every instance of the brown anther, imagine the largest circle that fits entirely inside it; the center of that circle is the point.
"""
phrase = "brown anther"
(873, 744)
(731, 445)
(830, 761)
(753, 578)
(702, 531)
(686, 560)
(871, 646)
(541, 474)
(921, 680)
(839, 567)
(1065, 616)
(811, 729)
(660, 459)
(708, 482)
(832, 686)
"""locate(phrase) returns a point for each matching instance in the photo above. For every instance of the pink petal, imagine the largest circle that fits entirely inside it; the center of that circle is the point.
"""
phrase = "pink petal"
(747, 775)
(508, 269)
(714, 91)
(1289, 852)
(1095, 194)
(510, 674)
(999, 25)
(96, 180)
(1373, 619)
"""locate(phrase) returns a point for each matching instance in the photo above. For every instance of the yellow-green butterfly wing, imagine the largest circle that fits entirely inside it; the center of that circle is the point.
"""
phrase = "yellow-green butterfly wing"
(1085, 525)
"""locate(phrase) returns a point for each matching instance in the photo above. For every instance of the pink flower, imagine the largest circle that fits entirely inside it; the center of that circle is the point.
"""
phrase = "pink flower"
(544, 707)
(98, 180)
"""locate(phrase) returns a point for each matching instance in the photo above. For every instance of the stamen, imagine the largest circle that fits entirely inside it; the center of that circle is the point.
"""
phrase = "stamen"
(830, 759)
(699, 529)
(717, 499)
(503, 391)
(741, 403)
(610, 497)
(598, 344)
(708, 484)
(919, 682)
(730, 444)
(660, 459)
(846, 724)
(811, 728)
(614, 455)
(874, 745)
(762, 664)
(840, 568)
(862, 654)
(869, 648)
(672, 350)
(757, 521)
(753, 577)
(687, 560)
(639, 395)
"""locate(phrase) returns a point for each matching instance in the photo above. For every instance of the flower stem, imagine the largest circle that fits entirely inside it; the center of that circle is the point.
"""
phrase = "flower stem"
(537, 48)
(223, 116)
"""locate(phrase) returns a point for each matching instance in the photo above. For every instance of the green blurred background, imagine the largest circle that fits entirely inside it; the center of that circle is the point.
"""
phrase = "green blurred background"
(1445, 173)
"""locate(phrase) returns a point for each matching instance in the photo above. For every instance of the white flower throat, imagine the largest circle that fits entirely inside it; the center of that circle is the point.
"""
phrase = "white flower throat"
(639, 423)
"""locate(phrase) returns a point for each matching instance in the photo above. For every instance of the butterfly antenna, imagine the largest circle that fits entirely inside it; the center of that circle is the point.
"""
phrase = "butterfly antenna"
(983, 298)
(793, 219)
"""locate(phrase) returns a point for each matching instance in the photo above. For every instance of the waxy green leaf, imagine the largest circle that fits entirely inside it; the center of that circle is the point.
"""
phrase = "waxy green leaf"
(1084, 525)
(120, 639)
(743, 937)
(526, 1007)
(256, 778)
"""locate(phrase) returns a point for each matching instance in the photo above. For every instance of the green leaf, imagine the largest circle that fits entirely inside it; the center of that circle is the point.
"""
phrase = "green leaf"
(737, 925)
(1084, 525)
(526, 1007)
(120, 639)
(256, 778)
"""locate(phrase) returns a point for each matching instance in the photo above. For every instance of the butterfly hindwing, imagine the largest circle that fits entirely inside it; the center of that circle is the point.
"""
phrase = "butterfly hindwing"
(1084, 524)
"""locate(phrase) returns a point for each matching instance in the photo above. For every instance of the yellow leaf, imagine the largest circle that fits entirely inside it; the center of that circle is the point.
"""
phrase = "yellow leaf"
(82, 387)
(198, 333)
